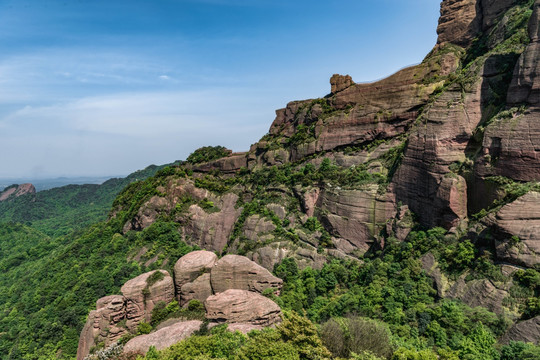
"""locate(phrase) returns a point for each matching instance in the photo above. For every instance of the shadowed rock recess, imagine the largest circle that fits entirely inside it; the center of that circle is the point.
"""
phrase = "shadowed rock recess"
(453, 142)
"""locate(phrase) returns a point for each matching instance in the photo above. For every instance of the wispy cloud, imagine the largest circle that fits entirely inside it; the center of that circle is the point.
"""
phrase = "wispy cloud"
(123, 132)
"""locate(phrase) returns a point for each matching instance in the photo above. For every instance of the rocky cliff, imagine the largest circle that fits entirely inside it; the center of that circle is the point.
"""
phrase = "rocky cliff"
(14, 191)
(443, 138)
(452, 142)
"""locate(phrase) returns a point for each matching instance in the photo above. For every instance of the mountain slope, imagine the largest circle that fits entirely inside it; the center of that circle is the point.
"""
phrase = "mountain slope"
(341, 199)
(60, 210)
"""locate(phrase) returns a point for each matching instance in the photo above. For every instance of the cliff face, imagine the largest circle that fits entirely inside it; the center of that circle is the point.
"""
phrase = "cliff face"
(452, 142)
(14, 191)
(442, 139)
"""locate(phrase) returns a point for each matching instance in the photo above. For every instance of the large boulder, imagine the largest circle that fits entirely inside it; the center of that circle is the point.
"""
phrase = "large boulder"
(238, 272)
(143, 293)
(242, 306)
(162, 338)
(189, 275)
(198, 289)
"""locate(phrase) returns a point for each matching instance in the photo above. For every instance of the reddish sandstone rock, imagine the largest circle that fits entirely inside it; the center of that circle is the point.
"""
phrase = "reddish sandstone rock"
(340, 82)
(479, 293)
(101, 324)
(424, 181)
(212, 231)
(459, 22)
(242, 306)
(355, 216)
(142, 296)
(511, 143)
(227, 165)
(198, 289)
(162, 338)
(192, 265)
(238, 272)
(526, 331)
(147, 214)
(357, 114)
(15, 191)
(519, 219)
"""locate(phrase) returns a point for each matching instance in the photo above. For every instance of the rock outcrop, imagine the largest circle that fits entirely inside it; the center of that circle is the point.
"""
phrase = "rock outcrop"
(192, 276)
(355, 217)
(238, 272)
(162, 338)
(510, 143)
(526, 331)
(461, 21)
(14, 191)
(479, 293)
(102, 324)
(242, 306)
(143, 293)
(231, 285)
(208, 230)
(118, 315)
(518, 230)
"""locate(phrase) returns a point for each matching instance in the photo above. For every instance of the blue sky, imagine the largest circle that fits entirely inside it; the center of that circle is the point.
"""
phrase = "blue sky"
(106, 87)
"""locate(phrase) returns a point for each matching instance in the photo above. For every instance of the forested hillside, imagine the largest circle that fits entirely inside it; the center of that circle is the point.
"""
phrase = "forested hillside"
(401, 215)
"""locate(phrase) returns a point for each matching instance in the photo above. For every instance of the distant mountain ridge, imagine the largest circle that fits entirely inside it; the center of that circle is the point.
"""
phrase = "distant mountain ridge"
(59, 210)
(48, 183)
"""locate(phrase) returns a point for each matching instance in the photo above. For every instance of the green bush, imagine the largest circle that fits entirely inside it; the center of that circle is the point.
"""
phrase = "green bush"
(208, 153)
(344, 336)
(144, 328)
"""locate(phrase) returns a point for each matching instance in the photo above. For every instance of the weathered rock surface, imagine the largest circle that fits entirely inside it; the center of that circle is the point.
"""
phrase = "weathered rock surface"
(212, 231)
(478, 293)
(431, 267)
(162, 338)
(355, 216)
(511, 143)
(242, 306)
(14, 191)
(101, 324)
(142, 296)
(238, 272)
(520, 219)
(198, 289)
(209, 231)
(340, 82)
(354, 114)
(461, 21)
(192, 265)
(228, 165)
(526, 331)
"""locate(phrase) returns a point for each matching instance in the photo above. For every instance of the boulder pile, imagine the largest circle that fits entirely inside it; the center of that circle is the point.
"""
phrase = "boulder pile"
(231, 289)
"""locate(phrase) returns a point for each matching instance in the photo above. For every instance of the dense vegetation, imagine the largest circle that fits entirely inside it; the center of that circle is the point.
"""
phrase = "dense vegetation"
(207, 153)
(59, 211)
(59, 253)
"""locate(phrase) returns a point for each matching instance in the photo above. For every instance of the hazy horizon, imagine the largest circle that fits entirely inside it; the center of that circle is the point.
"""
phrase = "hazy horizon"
(92, 88)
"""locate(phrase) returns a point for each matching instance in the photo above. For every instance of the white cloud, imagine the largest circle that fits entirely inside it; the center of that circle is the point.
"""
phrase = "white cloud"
(123, 132)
